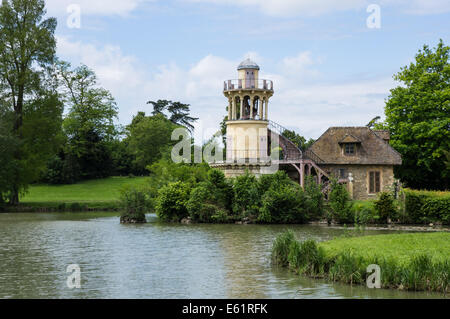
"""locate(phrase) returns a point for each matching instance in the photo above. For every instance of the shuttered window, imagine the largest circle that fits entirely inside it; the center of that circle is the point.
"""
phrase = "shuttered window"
(374, 182)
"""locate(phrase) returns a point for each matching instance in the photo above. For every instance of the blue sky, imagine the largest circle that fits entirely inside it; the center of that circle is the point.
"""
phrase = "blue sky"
(329, 68)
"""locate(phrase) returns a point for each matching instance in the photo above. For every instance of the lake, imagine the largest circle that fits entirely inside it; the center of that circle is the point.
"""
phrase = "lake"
(157, 260)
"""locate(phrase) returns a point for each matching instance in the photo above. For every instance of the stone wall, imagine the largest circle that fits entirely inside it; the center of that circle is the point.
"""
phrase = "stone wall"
(361, 177)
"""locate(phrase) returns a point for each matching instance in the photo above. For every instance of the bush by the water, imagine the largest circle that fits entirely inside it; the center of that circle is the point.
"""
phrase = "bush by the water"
(364, 212)
(134, 206)
(211, 201)
(314, 201)
(215, 199)
(340, 204)
(427, 267)
(385, 207)
(283, 205)
(423, 207)
(171, 204)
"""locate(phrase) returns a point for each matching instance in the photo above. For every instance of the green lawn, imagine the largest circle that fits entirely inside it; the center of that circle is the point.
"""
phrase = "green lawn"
(401, 247)
(412, 261)
(94, 193)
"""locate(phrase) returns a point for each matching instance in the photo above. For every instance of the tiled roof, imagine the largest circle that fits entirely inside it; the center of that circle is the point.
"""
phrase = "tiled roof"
(373, 150)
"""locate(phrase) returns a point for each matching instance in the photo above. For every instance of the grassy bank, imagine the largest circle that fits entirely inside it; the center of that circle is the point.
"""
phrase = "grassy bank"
(101, 194)
(417, 261)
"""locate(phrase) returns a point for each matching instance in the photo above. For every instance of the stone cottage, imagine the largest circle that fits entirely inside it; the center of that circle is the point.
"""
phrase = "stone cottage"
(360, 157)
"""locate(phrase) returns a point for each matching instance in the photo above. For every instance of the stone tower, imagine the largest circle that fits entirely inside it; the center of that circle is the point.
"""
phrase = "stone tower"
(247, 126)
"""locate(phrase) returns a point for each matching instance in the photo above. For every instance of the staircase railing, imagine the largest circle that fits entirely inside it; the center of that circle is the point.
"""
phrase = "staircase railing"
(307, 154)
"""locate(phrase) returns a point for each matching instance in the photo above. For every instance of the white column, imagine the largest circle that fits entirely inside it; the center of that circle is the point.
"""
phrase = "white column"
(242, 106)
(267, 109)
(261, 108)
(230, 109)
(233, 116)
(251, 107)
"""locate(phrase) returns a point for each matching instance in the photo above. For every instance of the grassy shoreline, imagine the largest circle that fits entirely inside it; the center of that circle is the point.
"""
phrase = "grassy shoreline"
(92, 195)
(416, 261)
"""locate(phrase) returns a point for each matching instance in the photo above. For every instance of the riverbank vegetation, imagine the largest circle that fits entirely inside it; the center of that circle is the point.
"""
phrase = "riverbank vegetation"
(197, 193)
(417, 261)
(58, 126)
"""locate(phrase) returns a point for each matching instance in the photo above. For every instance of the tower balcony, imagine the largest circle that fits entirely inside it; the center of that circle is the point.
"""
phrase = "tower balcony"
(248, 84)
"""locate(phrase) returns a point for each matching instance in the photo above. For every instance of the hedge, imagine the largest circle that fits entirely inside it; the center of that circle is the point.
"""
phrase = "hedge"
(424, 207)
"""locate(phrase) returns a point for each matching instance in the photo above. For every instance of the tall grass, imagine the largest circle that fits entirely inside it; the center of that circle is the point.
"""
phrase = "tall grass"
(418, 272)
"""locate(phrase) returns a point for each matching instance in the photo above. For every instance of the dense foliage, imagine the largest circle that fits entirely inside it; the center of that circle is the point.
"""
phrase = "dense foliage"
(385, 207)
(340, 204)
(211, 198)
(423, 207)
(30, 107)
(418, 117)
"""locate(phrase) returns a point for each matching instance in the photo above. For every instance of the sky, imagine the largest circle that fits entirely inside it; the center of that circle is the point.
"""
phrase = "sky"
(332, 62)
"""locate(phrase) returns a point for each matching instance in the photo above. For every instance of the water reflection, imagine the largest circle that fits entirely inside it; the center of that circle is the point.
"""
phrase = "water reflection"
(155, 260)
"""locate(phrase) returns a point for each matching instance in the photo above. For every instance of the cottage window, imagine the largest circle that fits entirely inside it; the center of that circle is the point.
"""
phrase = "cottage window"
(374, 182)
(350, 149)
(342, 173)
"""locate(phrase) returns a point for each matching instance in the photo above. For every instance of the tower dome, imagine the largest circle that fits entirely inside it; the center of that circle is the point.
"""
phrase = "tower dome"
(248, 64)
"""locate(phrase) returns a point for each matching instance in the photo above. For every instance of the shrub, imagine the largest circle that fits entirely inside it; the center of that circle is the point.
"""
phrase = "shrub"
(427, 207)
(171, 202)
(284, 205)
(203, 205)
(277, 180)
(247, 198)
(364, 212)
(437, 210)
(221, 188)
(385, 207)
(340, 204)
(134, 204)
(314, 199)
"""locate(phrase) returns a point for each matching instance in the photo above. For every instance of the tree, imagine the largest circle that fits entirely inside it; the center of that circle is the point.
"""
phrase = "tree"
(418, 116)
(373, 122)
(149, 138)
(297, 139)
(8, 145)
(89, 125)
(179, 112)
(27, 50)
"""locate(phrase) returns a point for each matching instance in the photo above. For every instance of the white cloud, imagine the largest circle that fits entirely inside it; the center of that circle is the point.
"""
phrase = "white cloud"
(298, 103)
(420, 7)
(318, 7)
(95, 7)
(293, 7)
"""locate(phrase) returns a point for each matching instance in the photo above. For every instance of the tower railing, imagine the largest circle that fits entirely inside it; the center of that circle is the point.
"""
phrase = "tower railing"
(240, 84)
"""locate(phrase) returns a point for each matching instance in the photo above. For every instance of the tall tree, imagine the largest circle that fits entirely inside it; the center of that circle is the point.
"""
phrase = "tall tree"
(179, 112)
(27, 49)
(418, 116)
(89, 125)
